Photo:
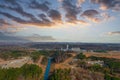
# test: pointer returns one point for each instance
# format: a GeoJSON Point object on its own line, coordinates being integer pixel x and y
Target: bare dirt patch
{"type": "Point", "coordinates": [110, 54]}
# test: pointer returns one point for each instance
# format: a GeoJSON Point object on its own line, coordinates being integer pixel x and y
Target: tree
{"type": "Point", "coordinates": [61, 74]}
{"type": "Point", "coordinates": [31, 72]}
{"type": "Point", "coordinates": [27, 72]}
{"type": "Point", "coordinates": [107, 77]}
{"type": "Point", "coordinates": [81, 56]}
{"type": "Point", "coordinates": [96, 67]}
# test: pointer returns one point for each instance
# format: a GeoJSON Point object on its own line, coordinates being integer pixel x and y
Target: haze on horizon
{"type": "Point", "coordinates": [60, 21]}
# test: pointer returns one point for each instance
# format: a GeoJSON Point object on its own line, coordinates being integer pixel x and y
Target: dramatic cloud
{"type": "Point", "coordinates": [71, 10]}
{"type": "Point", "coordinates": [40, 6]}
{"type": "Point", "coordinates": [114, 33]}
{"type": "Point", "coordinates": [32, 19]}
{"type": "Point", "coordinates": [19, 16]}
{"type": "Point", "coordinates": [45, 19]}
{"type": "Point", "coordinates": [80, 2]}
{"type": "Point", "coordinates": [108, 4]}
{"type": "Point", "coordinates": [91, 15]}
{"type": "Point", "coordinates": [55, 15]}
{"type": "Point", "coordinates": [3, 22]}
{"type": "Point", "coordinates": [27, 22]}
{"type": "Point", "coordinates": [17, 19]}
{"type": "Point", "coordinates": [19, 10]}
{"type": "Point", "coordinates": [6, 27]}
{"type": "Point", "coordinates": [44, 13]}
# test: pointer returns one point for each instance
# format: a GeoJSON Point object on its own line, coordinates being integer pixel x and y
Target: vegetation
{"type": "Point", "coordinates": [81, 64]}
{"type": "Point", "coordinates": [44, 60]}
{"type": "Point", "coordinates": [75, 74]}
{"type": "Point", "coordinates": [61, 74]}
{"type": "Point", "coordinates": [12, 54]}
{"type": "Point", "coordinates": [112, 64]}
{"type": "Point", "coordinates": [109, 71]}
{"type": "Point", "coordinates": [61, 57]}
{"type": "Point", "coordinates": [109, 77]}
{"type": "Point", "coordinates": [96, 68]}
{"type": "Point", "coordinates": [81, 56]}
{"type": "Point", "coordinates": [35, 56]}
{"type": "Point", "coordinates": [111, 67]}
{"type": "Point", "coordinates": [26, 72]}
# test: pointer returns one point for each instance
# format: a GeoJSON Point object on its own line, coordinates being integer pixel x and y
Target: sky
{"type": "Point", "coordinates": [92, 21]}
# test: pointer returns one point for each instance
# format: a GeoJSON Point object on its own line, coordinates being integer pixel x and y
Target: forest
{"type": "Point", "coordinates": [26, 72]}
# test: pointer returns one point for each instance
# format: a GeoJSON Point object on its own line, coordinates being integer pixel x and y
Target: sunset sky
{"type": "Point", "coordinates": [96, 21]}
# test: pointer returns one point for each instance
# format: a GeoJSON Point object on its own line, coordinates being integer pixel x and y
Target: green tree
{"type": "Point", "coordinates": [81, 56]}
{"type": "Point", "coordinates": [107, 77]}
{"type": "Point", "coordinates": [31, 72]}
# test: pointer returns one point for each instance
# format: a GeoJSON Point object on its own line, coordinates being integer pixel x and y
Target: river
{"type": "Point", "coordinates": [46, 75]}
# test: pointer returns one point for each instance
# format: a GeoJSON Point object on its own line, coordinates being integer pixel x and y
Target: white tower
{"type": "Point", "coordinates": [67, 47]}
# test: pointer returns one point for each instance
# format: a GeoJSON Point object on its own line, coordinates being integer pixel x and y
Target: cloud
{"type": "Point", "coordinates": [114, 33]}
{"type": "Point", "coordinates": [95, 16]}
{"type": "Point", "coordinates": [40, 6]}
{"type": "Point", "coordinates": [79, 2]}
{"type": "Point", "coordinates": [44, 18]}
{"type": "Point", "coordinates": [71, 10]}
{"type": "Point", "coordinates": [82, 22]}
{"type": "Point", "coordinates": [11, 1]}
{"type": "Point", "coordinates": [60, 0]}
{"type": "Point", "coordinates": [55, 15]}
{"type": "Point", "coordinates": [108, 4]}
{"type": "Point", "coordinates": [8, 27]}
{"type": "Point", "coordinates": [32, 19]}
{"type": "Point", "coordinates": [37, 37]}
{"type": "Point", "coordinates": [17, 19]}
{"type": "Point", "coordinates": [105, 15]}
{"type": "Point", "coordinates": [3, 22]}
{"type": "Point", "coordinates": [17, 12]}
{"type": "Point", "coordinates": [20, 11]}
{"type": "Point", "coordinates": [35, 21]}
{"type": "Point", "coordinates": [8, 38]}
{"type": "Point", "coordinates": [91, 15]}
